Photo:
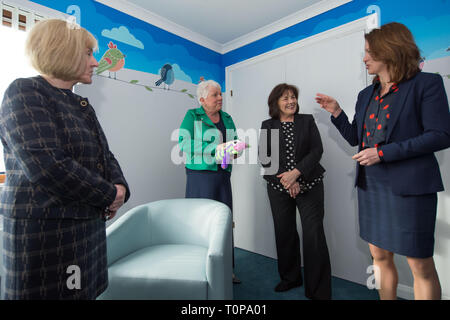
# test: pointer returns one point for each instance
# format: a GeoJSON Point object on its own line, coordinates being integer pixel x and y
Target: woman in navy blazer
{"type": "Point", "coordinates": [400, 121]}
{"type": "Point", "coordinates": [62, 180]}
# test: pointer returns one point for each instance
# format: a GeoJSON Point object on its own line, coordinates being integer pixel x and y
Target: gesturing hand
{"type": "Point", "coordinates": [329, 104]}
{"type": "Point", "coordinates": [367, 157]}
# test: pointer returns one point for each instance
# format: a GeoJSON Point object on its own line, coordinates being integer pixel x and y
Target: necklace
{"type": "Point", "coordinates": [82, 101]}
{"type": "Point", "coordinates": [60, 90]}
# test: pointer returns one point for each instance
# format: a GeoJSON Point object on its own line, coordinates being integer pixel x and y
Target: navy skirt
{"type": "Point", "coordinates": [214, 185]}
{"type": "Point", "coordinates": [400, 224]}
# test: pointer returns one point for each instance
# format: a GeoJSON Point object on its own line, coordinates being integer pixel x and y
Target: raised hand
{"type": "Point", "coordinates": [329, 104]}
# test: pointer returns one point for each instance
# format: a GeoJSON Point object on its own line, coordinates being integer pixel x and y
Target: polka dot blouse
{"type": "Point", "coordinates": [288, 136]}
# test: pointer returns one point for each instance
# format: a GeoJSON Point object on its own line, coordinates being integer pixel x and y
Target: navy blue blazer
{"type": "Point", "coordinates": [419, 126]}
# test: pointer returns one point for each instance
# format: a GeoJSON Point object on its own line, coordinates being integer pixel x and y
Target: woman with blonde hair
{"type": "Point", "coordinates": [62, 181]}
{"type": "Point", "coordinates": [400, 121]}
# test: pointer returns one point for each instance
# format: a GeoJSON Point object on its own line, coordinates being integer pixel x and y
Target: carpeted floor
{"type": "Point", "coordinates": [259, 276]}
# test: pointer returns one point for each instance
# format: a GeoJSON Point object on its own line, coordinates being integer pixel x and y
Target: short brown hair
{"type": "Point", "coordinates": [57, 48]}
{"type": "Point", "coordinates": [394, 45]}
{"type": "Point", "coordinates": [275, 95]}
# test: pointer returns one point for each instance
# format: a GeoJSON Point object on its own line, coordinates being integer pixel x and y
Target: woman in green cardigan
{"type": "Point", "coordinates": [202, 131]}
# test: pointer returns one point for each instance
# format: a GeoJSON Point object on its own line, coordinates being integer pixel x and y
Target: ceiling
{"type": "Point", "coordinates": [225, 20]}
{"type": "Point", "coordinates": [218, 24]}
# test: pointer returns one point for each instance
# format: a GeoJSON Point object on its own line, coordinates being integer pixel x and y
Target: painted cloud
{"type": "Point", "coordinates": [180, 74]}
{"type": "Point", "coordinates": [123, 35]}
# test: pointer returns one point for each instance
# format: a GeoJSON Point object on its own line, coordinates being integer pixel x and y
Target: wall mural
{"type": "Point", "coordinates": [113, 60]}
{"type": "Point", "coordinates": [149, 49]}
{"type": "Point", "coordinates": [428, 21]}
{"type": "Point", "coordinates": [146, 48]}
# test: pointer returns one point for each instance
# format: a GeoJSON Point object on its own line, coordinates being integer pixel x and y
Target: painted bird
{"type": "Point", "coordinates": [113, 60]}
{"type": "Point", "coordinates": [167, 76]}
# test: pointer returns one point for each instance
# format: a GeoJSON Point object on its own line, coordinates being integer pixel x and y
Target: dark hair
{"type": "Point", "coordinates": [275, 95]}
{"type": "Point", "coordinates": [394, 45]}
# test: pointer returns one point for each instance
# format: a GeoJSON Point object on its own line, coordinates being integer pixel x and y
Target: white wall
{"type": "Point", "coordinates": [17, 66]}
{"type": "Point", "coordinates": [139, 125]}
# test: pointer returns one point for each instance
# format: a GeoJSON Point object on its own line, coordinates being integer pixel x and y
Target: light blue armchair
{"type": "Point", "coordinates": [171, 249]}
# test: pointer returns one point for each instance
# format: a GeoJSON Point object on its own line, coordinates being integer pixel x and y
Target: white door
{"type": "Point", "coordinates": [248, 107]}
{"type": "Point", "coordinates": [330, 63]}
{"type": "Point", "coordinates": [334, 66]}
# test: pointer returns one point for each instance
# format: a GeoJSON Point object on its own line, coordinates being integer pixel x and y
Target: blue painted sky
{"type": "Point", "coordinates": [148, 48]}
{"type": "Point", "coordinates": [429, 21]}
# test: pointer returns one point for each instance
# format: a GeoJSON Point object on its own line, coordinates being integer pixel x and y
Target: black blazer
{"type": "Point", "coordinates": [307, 148]}
{"type": "Point", "coordinates": [419, 126]}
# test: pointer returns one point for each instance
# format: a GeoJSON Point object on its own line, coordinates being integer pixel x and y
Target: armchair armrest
{"type": "Point", "coordinates": [219, 258]}
{"type": "Point", "coordinates": [128, 234]}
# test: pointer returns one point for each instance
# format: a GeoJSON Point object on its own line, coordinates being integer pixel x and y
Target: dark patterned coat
{"type": "Point", "coordinates": [60, 179]}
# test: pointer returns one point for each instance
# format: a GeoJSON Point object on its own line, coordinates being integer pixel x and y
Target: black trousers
{"type": "Point", "coordinates": [317, 266]}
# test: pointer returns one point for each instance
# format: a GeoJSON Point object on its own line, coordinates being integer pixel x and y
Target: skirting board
{"type": "Point", "coordinates": [406, 292]}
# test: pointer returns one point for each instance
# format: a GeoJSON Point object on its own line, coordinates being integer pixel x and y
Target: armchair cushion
{"type": "Point", "coordinates": [171, 271]}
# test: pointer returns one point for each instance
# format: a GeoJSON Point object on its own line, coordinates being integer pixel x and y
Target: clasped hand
{"type": "Point", "coordinates": [289, 181]}
{"type": "Point", "coordinates": [118, 201]}
{"type": "Point", "coordinates": [367, 157]}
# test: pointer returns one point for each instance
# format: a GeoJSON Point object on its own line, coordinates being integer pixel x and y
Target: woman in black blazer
{"type": "Point", "coordinates": [290, 150]}
{"type": "Point", "coordinates": [400, 121]}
